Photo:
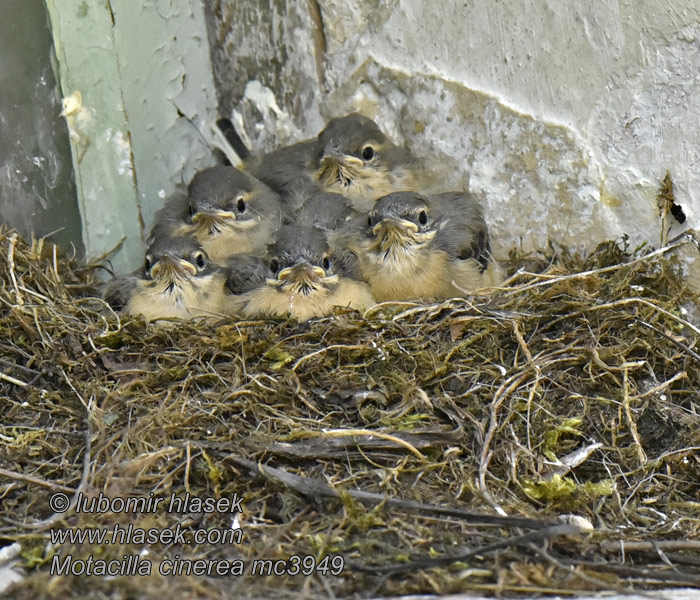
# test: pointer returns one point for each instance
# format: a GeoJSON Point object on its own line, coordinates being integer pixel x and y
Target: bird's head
{"type": "Point", "coordinates": [401, 221]}
{"type": "Point", "coordinates": [223, 197]}
{"type": "Point", "coordinates": [352, 150]}
{"type": "Point", "coordinates": [175, 260]}
{"type": "Point", "coordinates": [300, 262]}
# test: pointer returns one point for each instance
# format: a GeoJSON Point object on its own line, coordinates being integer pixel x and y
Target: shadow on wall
{"type": "Point", "coordinates": [37, 189]}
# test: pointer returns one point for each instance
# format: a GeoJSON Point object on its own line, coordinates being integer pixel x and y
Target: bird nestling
{"type": "Point", "coordinates": [303, 279]}
{"type": "Point", "coordinates": [178, 280]}
{"type": "Point", "coordinates": [351, 156]}
{"type": "Point", "coordinates": [357, 160]}
{"type": "Point", "coordinates": [228, 212]}
{"type": "Point", "coordinates": [412, 246]}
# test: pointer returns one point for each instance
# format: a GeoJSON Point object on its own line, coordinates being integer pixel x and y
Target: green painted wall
{"type": "Point", "coordinates": [142, 126]}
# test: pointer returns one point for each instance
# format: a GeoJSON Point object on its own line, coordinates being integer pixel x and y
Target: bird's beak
{"type": "Point", "coordinates": [334, 157]}
{"type": "Point", "coordinates": [171, 267]}
{"type": "Point", "coordinates": [337, 167]}
{"type": "Point", "coordinates": [390, 227]}
{"type": "Point", "coordinates": [207, 214]}
{"type": "Point", "coordinates": [302, 273]}
{"type": "Point", "coordinates": [340, 160]}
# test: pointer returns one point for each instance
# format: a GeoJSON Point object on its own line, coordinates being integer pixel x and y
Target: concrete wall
{"type": "Point", "coordinates": [37, 194]}
{"type": "Point", "coordinates": [564, 115]}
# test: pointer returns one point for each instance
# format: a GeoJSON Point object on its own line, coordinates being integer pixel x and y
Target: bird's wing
{"type": "Point", "coordinates": [463, 232]}
{"type": "Point", "coordinates": [244, 272]}
{"type": "Point", "coordinates": [118, 291]}
{"type": "Point", "coordinates": [283, 167]}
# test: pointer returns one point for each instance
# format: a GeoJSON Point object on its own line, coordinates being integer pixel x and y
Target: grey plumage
{"type": "Point", "coordinates": [411, 246]}
{"type": "Point", "coordinates": [285, 166]}
{"type": "Point", "coordinates": [325, 211]}
{"type": "Point", "coordinates": [351, 156]}
{"type": "Point", "coordinates": [457, 216]}
{"type": "Point", "coordinates": [245, 272]}
{"type": "Point", "coordinates": [172, 215]}
{"type": "Point", "coordinates": [227, 211]}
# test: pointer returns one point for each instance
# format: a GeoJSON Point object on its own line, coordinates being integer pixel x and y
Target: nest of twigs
{"type": "Point", "coordinates": [435, 448]}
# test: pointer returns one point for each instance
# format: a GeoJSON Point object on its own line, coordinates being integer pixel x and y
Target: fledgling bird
{"type": "Point", "coordinates": [351, 156]}
{"type": "Point", "coordinates": [178, 280]}
{"type": "Point", "coordinates": [228, 212]}
{"type": "Point", "coordinates": [302, 279]}
{"type": "Point", "coordinates": [357, 160]}
{"type": "Point", "coordinates": [412, 246]}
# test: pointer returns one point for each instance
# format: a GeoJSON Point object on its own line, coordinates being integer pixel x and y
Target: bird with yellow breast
{"type": "Point", "coordinates": [300, 277]}
{"type": "Point", "coordinates": [412, 246]}
{"type": "Point", "coordinates": [227, 211]}
{"type": "Point", "coordinates": [178, 280]}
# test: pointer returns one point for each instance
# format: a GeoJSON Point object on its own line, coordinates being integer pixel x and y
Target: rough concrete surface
{"type": "Point", "coordinates": [564, 115]}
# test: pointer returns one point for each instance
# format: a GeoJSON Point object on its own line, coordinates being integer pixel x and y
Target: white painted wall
{"type": "Point", "coordinates": [564, 115]}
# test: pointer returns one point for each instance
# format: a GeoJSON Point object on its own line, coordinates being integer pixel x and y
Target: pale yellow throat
{"type": "Point", "coordinates": [183, 297]}
{"type": "Point", "coordinates": [361, 184]}
{"type": "Point", "coordinates": [304, 292]}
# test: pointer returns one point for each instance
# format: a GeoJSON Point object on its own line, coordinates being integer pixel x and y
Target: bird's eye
{"type": "Point", "coordinates": [199, 259]}
{"type": "Point", "coordinates": [326, 263]}
{"type": "Point", "coordinates": [369, 221]}
{"type": "Point", "coordinates": [191, 210]}
{"type": "Point", "coordinates": [367, 153]}
{"type": "Point", "coordinates": [240, 205]}
{"type": "Point", "coordinates": [148, 263]}
{"type": "Point", "coordinates": [274, 266]}
{"type": "Point", "coordinates": [422, 217]}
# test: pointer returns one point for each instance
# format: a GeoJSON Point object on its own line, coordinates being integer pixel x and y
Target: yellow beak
{"type": "Point", "coordinates": [390, 227]}
{"type": "Point", "coordinates": [301, 273]}
{"type": "Point", "coordinates": [172, 266]}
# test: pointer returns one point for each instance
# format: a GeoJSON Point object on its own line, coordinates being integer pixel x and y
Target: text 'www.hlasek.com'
{"type": "Point", "coordinates": [178, 536]}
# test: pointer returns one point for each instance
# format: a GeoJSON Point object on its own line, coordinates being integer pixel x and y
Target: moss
{"type": "Point", "coordinates": [470, 402]}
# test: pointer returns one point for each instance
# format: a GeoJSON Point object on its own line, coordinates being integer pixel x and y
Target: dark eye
{"type": "Point", "coordinates": [147, 264]}
{"type": "Point", "coordinates": [274, 266]}
{"type": "Point", "coordinates": [369, 221]}
{"type": "Point", "coordinates": [422, 217]}
{"type": "Point", "coordinates": [326, 262]}
{"type": "Point", "coordinates": [367, 153]}
{"type": "Point", "coordinates": [191, 210]}
{"type": "Point", "coordinates": [240, 205]}
{"type": "Point", "coordinates": [199, 259]}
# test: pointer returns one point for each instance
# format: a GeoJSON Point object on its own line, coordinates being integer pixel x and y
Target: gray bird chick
{"type": "Point", "coordinates": [412, 246]}
{"type": "Point", "coordinates": [178, 280]}
{"type": "Point", "coordinates": [228, 212]}
{"type": "Point", "coordinates": [351, 156]}
{"type": "Point", "coordinates": [303, 279]}
{"type": "Point", "coordinates": [357, 160]}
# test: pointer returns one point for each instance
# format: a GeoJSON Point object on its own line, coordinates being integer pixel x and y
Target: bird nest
{"type": "Point", "coordinates": [544, 439]}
